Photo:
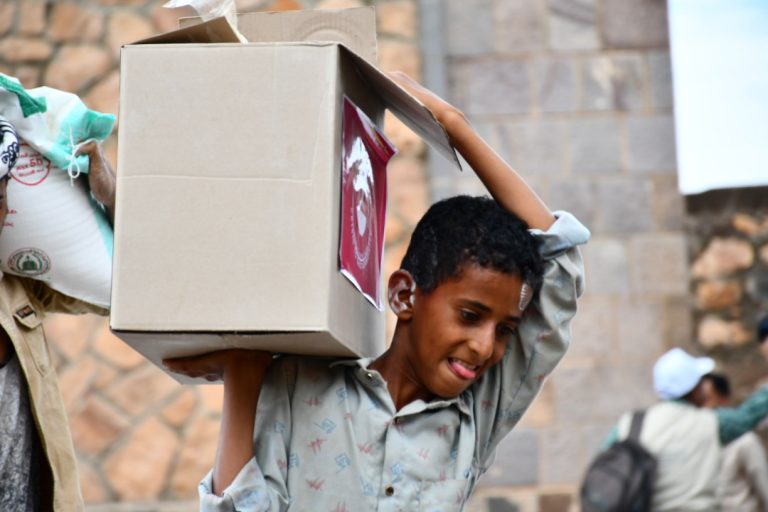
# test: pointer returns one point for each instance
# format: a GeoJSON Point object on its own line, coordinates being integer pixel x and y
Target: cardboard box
{"type": "Point", "coordinates": [228, 185]}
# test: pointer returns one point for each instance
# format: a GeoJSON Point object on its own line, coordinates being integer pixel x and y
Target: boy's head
{"type": "Point", "coordinates": [467, 276]}
{"type": "Point", "coordinates": [465, 230]}
{"type": "Point", "coordinates": [717, 390]}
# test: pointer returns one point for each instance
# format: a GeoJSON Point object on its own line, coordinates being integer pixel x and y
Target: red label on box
{"type": "Point", "coordinates": [365, 153]}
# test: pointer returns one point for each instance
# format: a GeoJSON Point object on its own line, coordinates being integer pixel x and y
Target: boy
{"type": "Point", "coordinates": [415, 428]}
{"type": "Point", "coordinates": [38, 470]}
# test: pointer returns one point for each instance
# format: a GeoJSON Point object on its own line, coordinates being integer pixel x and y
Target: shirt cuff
{"type": "Point", "coordinates": [246, 492]}
{"type": "Point", "coordinates": [566, 232]}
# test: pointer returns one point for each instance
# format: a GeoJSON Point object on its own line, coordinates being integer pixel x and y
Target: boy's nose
{"type": "Point", "coordinates": [482, 344]}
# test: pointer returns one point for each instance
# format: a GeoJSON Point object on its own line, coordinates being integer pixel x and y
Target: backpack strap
{"type": "Point", "coordinates": [637, 425]}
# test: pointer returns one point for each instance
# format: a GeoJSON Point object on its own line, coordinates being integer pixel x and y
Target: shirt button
{"type": "Point", "coordinates": [389, 491]}
{"type": "Point", "coordinates": [369, 375]}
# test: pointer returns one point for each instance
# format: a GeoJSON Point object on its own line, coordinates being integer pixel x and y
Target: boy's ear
{"type": "Point", "coordinates": [401, 293]}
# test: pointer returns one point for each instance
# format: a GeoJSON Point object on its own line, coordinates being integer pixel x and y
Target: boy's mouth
{"type": "Point", "coordinates": [462, 369]}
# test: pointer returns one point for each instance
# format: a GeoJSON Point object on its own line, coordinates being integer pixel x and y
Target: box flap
{"type": "Point", "coordinates": [217, 30]}
{"type": "Point", "coordinates": [407, 108]}
{"type": "Point", "coordinates": [354, 28]}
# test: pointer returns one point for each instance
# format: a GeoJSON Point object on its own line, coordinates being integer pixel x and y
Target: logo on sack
{"type": "Point", "coordinates": [31, 167]}
{"type": "Point", "coordinates": [359, 167]}
{"type": "Point", "coordinates": [29, 262]}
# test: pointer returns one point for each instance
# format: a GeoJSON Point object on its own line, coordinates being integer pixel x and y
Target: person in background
{"type": "Point", "coordinates": [685, 436]}
{"type": "Point", "coordinates": [38, 470]}
{"type": "Point", "coordinates": [743, 485]}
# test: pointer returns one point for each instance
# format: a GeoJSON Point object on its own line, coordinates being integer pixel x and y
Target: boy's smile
{"type": "Point", "coordinates": [453, 335]}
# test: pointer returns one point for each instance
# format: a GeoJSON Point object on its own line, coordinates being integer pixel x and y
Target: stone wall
{"type": "Point", "coordinates": [729, 273]}
{"type": "Point", "coordinates": [141, 437]}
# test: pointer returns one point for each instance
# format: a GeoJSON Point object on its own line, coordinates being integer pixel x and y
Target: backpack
{"type": "Point", "coordinates": [620, 479]}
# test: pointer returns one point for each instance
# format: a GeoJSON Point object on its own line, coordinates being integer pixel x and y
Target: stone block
{"type": "Point", "coordinates": [594, 145]}
{"type": "Point", "coordinates": [212, 397]}
{"type": "Point", "coordinates": [141, 389]}
{"type": "Point", "coordinates": [125, 27]}
{"type": "Point", "coordinates": [613, 83]}
{"type": "Point", "coordinates": [75, 381]}
{"type": "Point", "coordinates": [77, 67]}
{"type": "Point", "coordinates": [409, 191]}
{"type": "Point", "coordinates": [31, 17]}
{"type": "Point", "coordinates": [659, 264]}
{"type": "Point", "coordinates": [578, 197]}
{"type": "Point", "coordinates": [492, 86]}
{"type": "Point", "coordinates": [7, 15]}
{"type": "Point", "coordinates": [713, 295]}
{"type": "Point", "coordinates": [180, 409]}
{"type": "Point", "coordinates": [24, 49]}
{"type": "Point", "coordinates": [540, 146]}
{"type": "Point", "coordinates": [668, 203]}
{"type": "Point", "coordinates": [68, 334]}
{"type": "Point", "coordinates": [397, 18]}
{"type": "Point", "coordinates": [717, 332]}
{"type": "Point", "coordinates": [677, 321]}
{"type": "Point", "coordinates": [468, 26]}
{"type": "Point", "coordinates": [115, 351]}
{"type": "Point", "coordinates": [555, 502]}
{"type": "Point", "coordinates": [29, 76]}
{"type": "Point", "coordinates": [556, 85]}
{"type": "Point", "coordinates": [763, 252]}
{"type": "Point", "coordinates": [594, 329]}
{"type": "Point", "coordinates": [723, 257]}
{"type": "Point", "coordinates": [198, 450]}
{"type": "Point", "coordinates": [105, 95]}
{"type": "Point", "coordinates": [517, 460]}
{"type": "Point", "coordinates": [751, 225]}
{"type": "Point", "coordinates": [639, 336]}
{"type": "Point", "coordinates": [625, 206]}
{"type": "Point", "coordinates": [326, 4]}
{"type": "Point", "coordinates": [138, 469]}
{"type": "Point", "coordinates": [519, 27]}
{"type": "Point", "coordinates": [651, 144]}
{"type": "Point", "coordinates": [633, 23]}
{"type": "Point", "coordinates": [96, 426]}
{"type": "Point", "coordinates": [91, 484]}
{"type": "Point", "coordinates": [572, 25]}
{"type": "Point", "coordinates": [660, 79]}
{"type": "Point", "coordinates": [400, 56]}
{"type": "Point", "coordinates": [166, 20]}
{"type": "Point", "coordinates": [71, 21]}
{"type": "Point", "coordinates": [541, 411]}
{"type": "Point", "coordinates": [606, 265]}
{"type": "Point", "coordinates": [562, 456]}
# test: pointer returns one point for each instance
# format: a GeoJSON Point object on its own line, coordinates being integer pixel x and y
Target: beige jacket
{"type": "Point", "coordinates": [23, 305]}
{"type": "Point", "coordinates": [686, 444]}
{"type": "Point", "coordinates": [744, 476]}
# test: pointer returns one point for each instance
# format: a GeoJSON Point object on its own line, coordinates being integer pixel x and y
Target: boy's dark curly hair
{"type": "Point", "coordinates": [464, 230]}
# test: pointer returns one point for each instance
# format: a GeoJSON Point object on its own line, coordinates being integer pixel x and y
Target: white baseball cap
{"type": "Point", "coordinates": [677, 372]}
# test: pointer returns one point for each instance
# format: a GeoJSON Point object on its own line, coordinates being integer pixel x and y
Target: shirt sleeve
{"type": "Point", "coordinates": [506, 390]}
{"type": "Point", "coordinates": [736, 421]}
{"type": "Point", "coordinates": [261, 485]}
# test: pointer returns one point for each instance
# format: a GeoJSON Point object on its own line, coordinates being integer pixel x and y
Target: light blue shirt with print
{"type": "Point", "coordinates": [328, 436]}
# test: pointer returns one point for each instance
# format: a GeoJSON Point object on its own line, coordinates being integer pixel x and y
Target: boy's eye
{"type": "Point", "coordinates": [505, 331]}
{"type": "Point", "coordinates": [468, 315]}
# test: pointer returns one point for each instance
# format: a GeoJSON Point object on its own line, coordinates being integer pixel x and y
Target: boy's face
{"type": "Point", "coordinates": [461, 329]}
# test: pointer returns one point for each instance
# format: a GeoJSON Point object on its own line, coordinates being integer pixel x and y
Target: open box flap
{"type": "Point", "coordinates": [217, 30]}
{"type": "Point", "coordinates": [406, 108]}
{"type": "Point", "coordinates": [354, 28]}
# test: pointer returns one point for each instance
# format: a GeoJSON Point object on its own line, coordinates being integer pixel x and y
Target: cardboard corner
{"type": "Point", "coordinates": [217, 30]}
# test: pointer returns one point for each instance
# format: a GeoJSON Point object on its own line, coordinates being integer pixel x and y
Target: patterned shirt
{"type": "Point", "coordinates": [329, 438]}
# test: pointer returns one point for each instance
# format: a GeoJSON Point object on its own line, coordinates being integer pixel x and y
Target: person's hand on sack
{"type": "Point", "coordinates": [213, 365]}
{"type": "Point", "coordinates": [101, 177]}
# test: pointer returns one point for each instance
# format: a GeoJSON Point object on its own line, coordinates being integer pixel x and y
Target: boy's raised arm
{"type": "Point", "coordinates": [502, 181]}
{"type": "Point", "coordinates": [242, 372]}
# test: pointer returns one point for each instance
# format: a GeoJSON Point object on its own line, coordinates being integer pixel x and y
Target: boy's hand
{"type": "Point", "coordinates": [101, 177]}
{"type": "Point", "coordinates": [213, 365]}
{"type": "Point", "coordinates": [439, 107]}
